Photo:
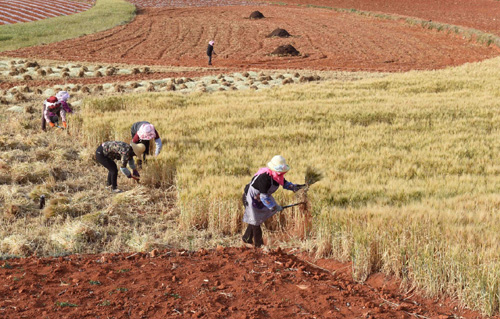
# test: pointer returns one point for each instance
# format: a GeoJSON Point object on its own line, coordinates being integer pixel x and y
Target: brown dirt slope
{"type": "Point", "coordinates": [482, 15]}
{"type": "Point", "coordinates": [223, 283]}
{"type": "Point", "coordinates": [327, 40]}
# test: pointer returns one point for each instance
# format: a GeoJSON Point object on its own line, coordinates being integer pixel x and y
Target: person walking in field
{"type": "Point", "coordinates": [142, 133]}
{"type": "Point", "coordinates": [108, 152]}
{"type": "Point", "coordinates": [258, 200]}
{"type": "Point", "coordinates": [210, 51]}
{"type": "Point", "coordinates": [55, 108]}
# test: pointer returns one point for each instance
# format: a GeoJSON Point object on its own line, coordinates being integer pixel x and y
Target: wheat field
{"type": "Point", "coordinates": [410, 164]}
{"type": "Point", "coordinates": [410, 168]}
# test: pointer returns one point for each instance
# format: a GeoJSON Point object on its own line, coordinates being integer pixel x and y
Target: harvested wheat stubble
{"type": "Point", "coordinates": [85, 89]}
{"type": "Point", "coordinates": [280, 33]}
{"type": "Point", "coordinates": [256, 15]}
{"type": "Point", "coordinates": [151, 87]}
{"type": "Point", "coordinates": [309, 78]}
{"type": "Point", "coordinates": [285, 50]}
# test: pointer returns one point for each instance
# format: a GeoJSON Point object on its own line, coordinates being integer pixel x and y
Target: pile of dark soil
{"type": "Point", "coordinates": [286, 50]}
{"type": "Point", "coordinates": [281, 33]}
{"type": "Point", "coordinates": [256, 15]}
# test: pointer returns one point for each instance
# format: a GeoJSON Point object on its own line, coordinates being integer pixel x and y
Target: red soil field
{"type": "Point", "coordinates": [327, 40]}
{"type": "Point", "coordinates": [482, 15]}
{"type": "Point", "coordinates": [223, 283]}
{"type": "Point", "coordinates": [32, 10]}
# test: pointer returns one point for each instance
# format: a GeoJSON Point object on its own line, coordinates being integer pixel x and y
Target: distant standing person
{"type": "Point", "coordinates": [210, 51]}
{"type": "Point", "coordinates": [142, 133]}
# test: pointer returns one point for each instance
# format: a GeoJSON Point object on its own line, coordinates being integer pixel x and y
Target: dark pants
{"type": "Point", "coordinates": [210, 59]}
{"type": "Point", "coordinates": [110, 165]}
{"type": "Point", "coordinates": [253, 235]}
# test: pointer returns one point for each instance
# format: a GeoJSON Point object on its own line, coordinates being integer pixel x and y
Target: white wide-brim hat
{"type": "Point", "coordinates": [278, 164]}
{"type": "Point", "coordinates": [138, 148]}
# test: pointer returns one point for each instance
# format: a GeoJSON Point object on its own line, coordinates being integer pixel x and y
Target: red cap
{"type": "Point", "coordinates": [52, 99]}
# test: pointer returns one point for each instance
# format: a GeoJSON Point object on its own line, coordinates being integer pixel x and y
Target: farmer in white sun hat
{"type": "Point", "coordinates": [258, 200]}
{"type": "Point", "coordinates": [142, 133]}
{"type": "Point", "coordinates": [108, 152]}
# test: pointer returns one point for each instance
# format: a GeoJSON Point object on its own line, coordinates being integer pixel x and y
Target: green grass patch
{"type": "Point", "coordinates": [123, 270]}
{"type": "Point", "coordinates": [6, 265]}
{"type": "Point", "coordinates": [105, 303]}
{"type": "Point", "coordinates": [65, 304]}
{"type": "Point", "coordinates": [104, 15]}
{"type": "Point", "coordinates": [174, 295]}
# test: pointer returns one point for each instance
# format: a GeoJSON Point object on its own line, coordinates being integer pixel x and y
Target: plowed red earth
{"type": "Point", "coordinates": [32, 10]}
{"type": "Point", "coordinates": [223, 283]}
{"type": "Point", "coordinates": [326, 39]}
{"type": "Point", "coordinates": [482, 15]}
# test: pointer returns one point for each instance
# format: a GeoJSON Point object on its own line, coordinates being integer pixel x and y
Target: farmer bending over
{"type": "Point", "coordinates": [142, 133]}
{"type": "Point", "coordinates": [258, 200]}
{"type": "Point", "coordinates": [108, 152]}
{"type": "Point", "coordinates": [55, 107]}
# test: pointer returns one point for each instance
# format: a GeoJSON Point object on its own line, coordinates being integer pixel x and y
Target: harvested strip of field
{"type": "Point", "coordinates": [326, 40]}
{"type": "Point", "coordinates": [14, 11]}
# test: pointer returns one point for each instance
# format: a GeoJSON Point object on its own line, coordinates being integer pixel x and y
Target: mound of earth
{"type": "Point", "coordinates": [221, 283]}
{"type": "Point", "coordinates": [256, 15]}
{"type": "Point", "coordinates": [285, 50]}
{"type": "Point", "coordinates": [281, 33]}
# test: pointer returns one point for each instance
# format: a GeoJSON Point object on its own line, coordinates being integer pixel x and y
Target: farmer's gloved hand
{"type": "Point", "coordinates": [298, 187]}
{"type": "Point", "coordinates": [65, 125]}
{"type": "Point", "coordinates": [277, 208]}
{"type": "Point", "coordinates": [134, 177]}
{"type": "Point", "coordinates": [136, 173]}
{"type": "Point", "coordinates": [51, 124]}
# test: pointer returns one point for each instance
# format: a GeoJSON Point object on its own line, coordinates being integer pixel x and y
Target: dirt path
{"type": "Point", "coordinates": [223, 283]}
{"type": "Point", "coordinates": [327, 40]}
